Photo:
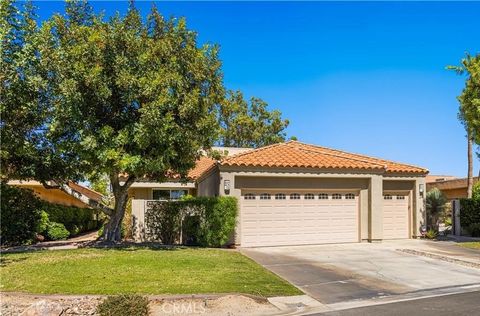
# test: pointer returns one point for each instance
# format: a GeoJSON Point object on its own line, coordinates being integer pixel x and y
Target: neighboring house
{"type": "Point", "coordinates": [295, 194]}
{"type": "Point", "coordinates": [58, 196]}
{"type": "Point", "coordinates": [437, 178]}
{"type": "Point", "coordinates": [453, 189]}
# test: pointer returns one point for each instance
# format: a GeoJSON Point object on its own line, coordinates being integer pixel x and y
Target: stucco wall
{"type": "Point", "coordinates": [209, 186]}
{"type": "Point", "coordinates": [55, 196]}
{"type": "Point", "coordinates": [370, 188]}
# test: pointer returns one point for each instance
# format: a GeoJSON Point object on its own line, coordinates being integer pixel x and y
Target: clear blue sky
{"type": "Point", "coordinates": [363, 77]}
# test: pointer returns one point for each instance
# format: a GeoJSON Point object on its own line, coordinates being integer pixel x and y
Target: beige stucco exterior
{"type": "Point", "coordinates": [55, 196]}
{"type": "Point", "coordinates": [370, 187]}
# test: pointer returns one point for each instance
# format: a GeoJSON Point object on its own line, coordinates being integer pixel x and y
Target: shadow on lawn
{"type": "Point", "coordinates": [132, 246]}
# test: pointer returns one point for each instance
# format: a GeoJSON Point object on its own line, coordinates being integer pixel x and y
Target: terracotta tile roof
{"type": "Point", "coordinates": [201, 166]}
{"type": "Point", "coordinates": [299, 155]}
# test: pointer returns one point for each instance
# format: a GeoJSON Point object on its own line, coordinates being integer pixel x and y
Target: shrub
{"type": "Point", "coordinates": [217, 222]}
{"type": "Point", "coordinates": [469, 212]}
{"type": "Point", "coordinates": [164, 220]}
{"type": "Point", "coordinates": [76, 220]}
{"type": "Point", "coordinates": [204, 221]}
{"type": "Point", "coordinates": [474, 229]}
{"type": "Point", "coordinates": [43, 223]}
{"type": "Point", "coordinates": [435, 203]}
{"type": "Point", "coordinates": [124, 305]}
{"type": "Point", "coordinates": [20, 215]}
{"type": "Point", "coordinates": [431, 234]}
{"type": "Point", "coordinates": [57, 231]}
{"type": "Point", "coordinates": [476, 191]}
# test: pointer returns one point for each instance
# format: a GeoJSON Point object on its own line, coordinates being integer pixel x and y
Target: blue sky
{"type": "Point", "coordinates": [363, 77]}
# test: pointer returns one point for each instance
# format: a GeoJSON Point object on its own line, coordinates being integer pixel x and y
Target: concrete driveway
{"type": "Point", "coordinates": [345, 272]}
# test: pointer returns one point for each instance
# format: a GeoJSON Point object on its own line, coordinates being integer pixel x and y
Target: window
{"type": "Point", "coordinates": [249, 196]}
{"type": "Point", "coordinates": [336, 196]}
{"type": "Point", "coordinates": [400, 197]}
{"type": "Point", "coordinates": [264, 196]}
{"type": "Point", "coordinates": [294, 196]}
{"type": "Point", "coordinates": [387, 197]}
{"type": "Point", "coordinates": [309, 196]}
{"type": "Point", "coordinates": [161, 194]}
{"type": "Point", "coordinates": [280, 196]}
{"type": "Point", "coordinates": [350, 196]}
{"type": "Point", "coordinates": [323, 196]}
{"type": "Point", "coordinates": [177, 194]}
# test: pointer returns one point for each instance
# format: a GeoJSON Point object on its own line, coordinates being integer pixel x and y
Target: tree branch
{"type": "Point", "coordinates": [64, 187]}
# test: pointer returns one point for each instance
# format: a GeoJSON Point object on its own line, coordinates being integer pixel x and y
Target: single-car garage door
{"type": "Point", "coordinates": [274, 218]}
{"type": "Point", "coordinates": [395, 216]}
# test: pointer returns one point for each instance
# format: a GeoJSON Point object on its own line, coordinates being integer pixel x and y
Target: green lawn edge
{"type": "Point", "coordinates": [141, 271]}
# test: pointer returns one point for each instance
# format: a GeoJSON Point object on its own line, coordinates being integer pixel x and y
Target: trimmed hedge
{"type": "Point", "coordinates": [470, 215]}
{"type": "Point", "coordinates": [57, 231]}
{"type": "Point", "coordinates": [20, 215]}
{"type": "Point", "coordinates": [202, 221]}
{"type": "Point", "coordinates": [76, 220]}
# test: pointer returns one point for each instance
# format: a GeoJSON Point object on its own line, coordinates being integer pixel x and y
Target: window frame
{"type": "Point", "coordinates": [265, 196]}
{"type": "Point", "coordinates": [280, 196]}
{"type": "Point", "coordinates": [309, 196]}
{"type": "Point", "coordinates": [349, 196]}
{"type": "Point", "coordinates": [249, 196]}
{"type": "Point", "coordinates": [323, 196]}
{"type": "Point", "coordinates": [296, 196]}
{"type": "Point", "coordinates": [337, 196]}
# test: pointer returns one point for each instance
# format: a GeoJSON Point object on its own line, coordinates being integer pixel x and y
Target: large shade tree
{"type": "Point", "coordinates": [249, 123]}
{"type": "Point", "coordinates": [469, 111]}
{"type": "Point", "coordinates": [83, 95]}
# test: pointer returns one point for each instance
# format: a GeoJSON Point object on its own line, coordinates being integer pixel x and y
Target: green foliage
{"type": "Point", "coordinates": [448, 221]}
{"type": "Point", "coordinates": [124, 305]}
{"type": "Point", "coordinates": [75, 219]}
{"type": "Point", "coordinates": [436, 202]}
{"type": "Point", "coordinates": [469, 111]}
{"type": "Point", "coordinates": [216, 220]}
{"type": "Point", "coordinates": [249, 124]}
{"type": "Point", "coordinates": [476, 191]}
{"type": "Point", "coordinates": [20, 215]}
{"type": "Point", "coordinates": [164, 220]}
{"type": "Point", "coordinates": [205, 221]}
{"type": "Point", "coordinates": [474, 229]}
{"type": "Point", "coordinates": [43, 223]}
{"type": "Point", "coordinates": [470, 213]}
{"type": "Point", "coordinates": [57, 231]}
{"type": "Point", "coordinates": [431, 234]}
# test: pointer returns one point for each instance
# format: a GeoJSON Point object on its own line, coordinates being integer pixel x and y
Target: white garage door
{"type": "Point", "coordinates": [395, 216]}
{"type": "Point", "coordinates": [274, 218]}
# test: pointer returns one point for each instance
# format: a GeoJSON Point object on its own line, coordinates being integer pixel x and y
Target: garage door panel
{"type": "Point", "coordinates": [298, 221]}
{"type": "Point", "coordinates": [395, 216]}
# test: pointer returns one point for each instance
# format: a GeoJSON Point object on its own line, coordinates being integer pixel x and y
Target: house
{"type": "Point", "coordinates": [58, 196]}
{"type": "Point", "coordinates": [296, 194]}
{"type": "Point", "coordinates": [173, 189]}
{"type": "Point", "coordinates": [453, 189]}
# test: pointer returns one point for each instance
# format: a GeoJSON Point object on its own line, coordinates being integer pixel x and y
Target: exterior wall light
{"type": "Point", "coordinates": [226, 186]}
{"type": "Point", "coordinates": [421, 189]}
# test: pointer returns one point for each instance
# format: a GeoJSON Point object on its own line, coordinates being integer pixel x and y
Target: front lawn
{"type": "Point", "coordinates": [137, 270]}
{"type": "Point", "coordinates": [471, 245]}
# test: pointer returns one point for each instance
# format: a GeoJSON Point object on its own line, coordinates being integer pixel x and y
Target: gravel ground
{"type": "Point", "coordinates": [56, 305]}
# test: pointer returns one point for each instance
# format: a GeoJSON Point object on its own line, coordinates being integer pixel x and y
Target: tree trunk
{"type": "Point", "coordinates": [470, 166]}
{"type": "Point", "coordinates": [113, 229]}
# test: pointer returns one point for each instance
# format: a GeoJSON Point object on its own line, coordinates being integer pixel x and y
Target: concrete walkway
{"type": "Point", "coordinates": [345, 272]}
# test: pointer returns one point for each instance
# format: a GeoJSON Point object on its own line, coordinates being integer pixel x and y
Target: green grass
{"type": "Point", "coordinates": [136, 270]}
{"type": "Point", "coordinates": [471, 245]}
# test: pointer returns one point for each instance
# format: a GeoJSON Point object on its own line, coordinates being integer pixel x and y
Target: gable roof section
{"type": "Point", "coordinates": [294, 154]}
{"type": "Point", "coordinates": [202, 165]}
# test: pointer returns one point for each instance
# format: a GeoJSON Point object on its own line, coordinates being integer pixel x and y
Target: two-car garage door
{"type": "Point", "coordinates": [274, 218]}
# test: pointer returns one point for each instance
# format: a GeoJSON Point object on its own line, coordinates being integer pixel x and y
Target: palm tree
{"type": "Point", "coordinates": [436, 203]}
{"type": "Point", "coordinates": [468, 113]}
